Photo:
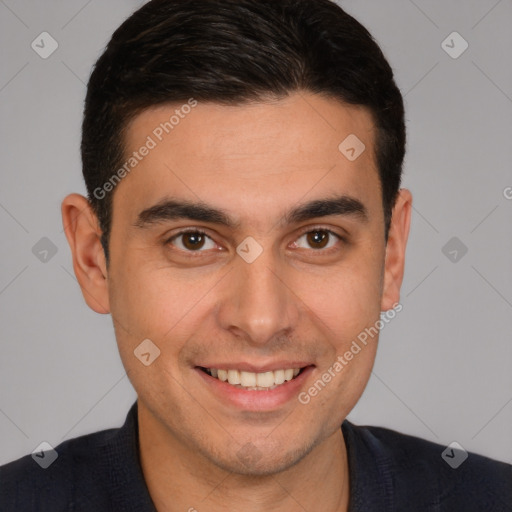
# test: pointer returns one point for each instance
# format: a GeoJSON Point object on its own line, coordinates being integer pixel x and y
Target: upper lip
{"type": "Point", "coordinates": [255, 368]}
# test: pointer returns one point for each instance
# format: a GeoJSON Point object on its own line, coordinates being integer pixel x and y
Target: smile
{"type": "Point", "coordinates": [252, 387]}
{"type": "Point", "coordinates": [252, 381]}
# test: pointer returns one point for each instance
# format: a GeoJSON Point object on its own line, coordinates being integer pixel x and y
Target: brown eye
{"type": "Point", "coordinates": [192, 241]}
{"type": "Point", "coordinates": [318, 239]}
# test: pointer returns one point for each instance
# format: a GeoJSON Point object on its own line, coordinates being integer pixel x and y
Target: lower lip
{"type": "Point", "coordinates": [253, 400]}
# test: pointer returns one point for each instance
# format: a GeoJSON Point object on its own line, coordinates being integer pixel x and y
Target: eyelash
{"type": "Point", "coordinates": [306, 232]}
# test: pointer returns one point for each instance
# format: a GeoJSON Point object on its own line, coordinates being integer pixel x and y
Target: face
{"type": "Point", "coordinates": [282, 268]}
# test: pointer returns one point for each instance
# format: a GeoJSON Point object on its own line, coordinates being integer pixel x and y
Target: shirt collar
{"type": "Point", "coordinates": [129, 489]}
{"type": "Point", "coordinates": [370, 471]}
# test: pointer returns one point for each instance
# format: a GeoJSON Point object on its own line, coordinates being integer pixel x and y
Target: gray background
{"type": "Point", "coordinates": [443, 366]}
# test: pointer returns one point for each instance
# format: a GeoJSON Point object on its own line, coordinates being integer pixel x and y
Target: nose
{"type": "Point", "coordinates": [258, 304]}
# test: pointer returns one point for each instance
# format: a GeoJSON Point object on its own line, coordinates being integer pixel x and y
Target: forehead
{"type": "Point", "coordinates": [250, 156]}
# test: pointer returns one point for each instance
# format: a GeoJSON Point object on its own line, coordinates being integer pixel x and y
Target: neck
{"type": "Point", "coordinates": [181, 479]}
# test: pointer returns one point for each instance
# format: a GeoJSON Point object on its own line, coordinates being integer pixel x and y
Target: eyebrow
{"type": "Point", "coordinates": [174, 209]}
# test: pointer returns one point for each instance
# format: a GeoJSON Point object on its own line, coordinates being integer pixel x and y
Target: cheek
{"type": "Point", "coordinates": [347, 299]}
{"type": "Point", "coordinates": [165, 305]}
{"type": "Point", "coordinates": [151, 300]}
{"type": "Point", "coordinates": [345, 305]}
{"type": "Point", "coordinates": [153, 303]}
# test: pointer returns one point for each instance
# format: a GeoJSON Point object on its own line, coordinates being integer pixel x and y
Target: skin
{"type": "Point", "coordinates": [296, 301]}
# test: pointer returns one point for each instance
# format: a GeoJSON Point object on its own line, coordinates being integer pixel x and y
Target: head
{"type": "Point", "coordinates": [276, 130]}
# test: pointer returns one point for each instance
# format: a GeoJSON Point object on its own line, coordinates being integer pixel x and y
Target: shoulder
{"type": "Point", "coordinates": [99, 471]}
{"type": "Point", "coordinates": [59, 479]}
{"type": "Point", "coordinates": [444, 478]}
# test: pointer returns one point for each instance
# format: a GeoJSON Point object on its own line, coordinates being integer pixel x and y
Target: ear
{"type": "Point", "coordinates": [395, 250]}
{"type": "Point", "coordinates": [84, 237]}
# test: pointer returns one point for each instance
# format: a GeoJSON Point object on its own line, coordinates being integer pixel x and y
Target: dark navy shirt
{"type": "Point", "coordinates": [389, 471]}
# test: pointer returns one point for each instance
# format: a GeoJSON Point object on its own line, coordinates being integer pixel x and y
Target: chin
{"type": "Point", "coordinates": [266, 460]}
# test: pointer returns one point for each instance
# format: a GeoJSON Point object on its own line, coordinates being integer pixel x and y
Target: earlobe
{"type": "Point", "coordinates": [395, 250]}
{"type": "Point", "coordinates": [84, 237]}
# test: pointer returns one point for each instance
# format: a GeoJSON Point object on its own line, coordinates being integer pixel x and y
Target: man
{"type": "Point", "coordinates": [244, 227]}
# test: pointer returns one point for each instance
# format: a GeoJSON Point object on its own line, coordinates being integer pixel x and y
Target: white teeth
{"type": "Point", "coordinates": [265, 380]}
{"type": "Point", "coordinates": [247, 379]}
{"type": "Point", "coordinates": [279, 376]}
{"type": "Point", "coordinates": [234, 377]}
{"type": "Point", "coordinates": [288, 374]}
{"type": "Point", "coordinates": [257, 381]}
